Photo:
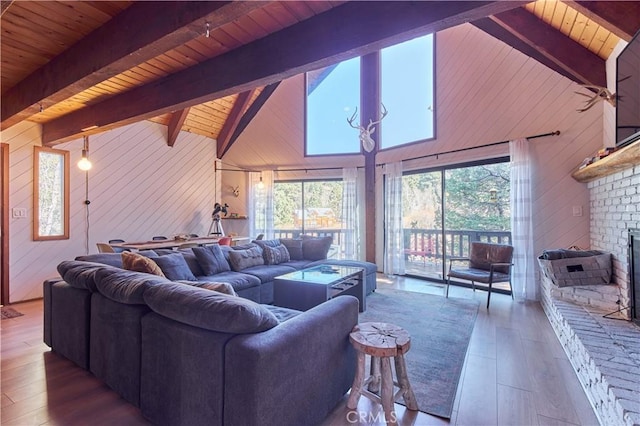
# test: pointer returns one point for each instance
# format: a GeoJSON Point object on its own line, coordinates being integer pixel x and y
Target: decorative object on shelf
{"type": "Point", "coordinates": [601, 94]}
{"type": "Point", "coordinates": [365, 134]}
{"type": "Point", "coordinates": [216, 226]}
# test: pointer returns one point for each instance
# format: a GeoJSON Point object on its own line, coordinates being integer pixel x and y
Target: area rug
{"type": "Point", "coordinates": [8, 312]}
{"type": "Point", "coordinates": [440, 330]}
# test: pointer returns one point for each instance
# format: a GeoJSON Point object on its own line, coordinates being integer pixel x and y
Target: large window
{"type": "Point", "coordinates": [50, 194]}
{"type": "Point", "coordinates": [333, 94]}
{"type": "Point", "coordinates": [407, 92]}
{"type": "Point", "coordinates": [447, 208]}
{"type": "Point", "coordinates": [308, 207]}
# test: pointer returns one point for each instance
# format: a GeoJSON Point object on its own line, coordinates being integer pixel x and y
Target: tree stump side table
{"type": "Point", "coordinates": [382, 341]}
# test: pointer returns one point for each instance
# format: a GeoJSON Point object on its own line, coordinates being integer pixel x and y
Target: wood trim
{"type": "Point", "coordinates": [175, 125]}
{"type": "Point", "coordinates": [4, 224]}
{"type": "Point", "coordinates": [619, 17]}
{"type": "Point", "coordinates": [373, 25]}
{"type": "Point", "coordinates": [583, 65]}
{"type": "Point", "coordinates": [370, 98]}
{"type": "Point", "coordinates": [233, 119]}
{"type": "Point", "coordinates": [88, 62]}
{"type": "Point", "coordinates": [251, 112]}
{"type": "Point", "coordinates": [36, 194]}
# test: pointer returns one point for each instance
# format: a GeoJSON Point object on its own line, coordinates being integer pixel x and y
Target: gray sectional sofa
{"type": "Point", "coordinates": [186, 354]}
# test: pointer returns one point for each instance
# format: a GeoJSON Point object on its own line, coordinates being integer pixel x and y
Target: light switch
{"type": "Point", "coordinates": [577, 211]}
{"type": "Point", "coordinates": [19, 213]}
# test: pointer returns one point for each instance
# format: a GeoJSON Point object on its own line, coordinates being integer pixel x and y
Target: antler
{"type": "Point", "coordinates": [352, 119]}
{"type": "Point", "coordinates": [602, 94]}
{"type": "Point", "coordinates": [383, 114]}
{"type": "Point", "coordinates": [365, 134]}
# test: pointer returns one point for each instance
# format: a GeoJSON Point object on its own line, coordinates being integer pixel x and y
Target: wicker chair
{"type": "Point", "coordinates": [105, 248]}
{"type": "Point", "coordinates": [487, 263]}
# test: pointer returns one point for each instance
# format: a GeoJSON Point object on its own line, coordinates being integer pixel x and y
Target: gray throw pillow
{"type": "Point", "coordinates": [209, 309]}
{"type": "Point", "coordinates": [294, 247]}
{"type": "Point", "coordinates": [211, 259]}
{"type": "Point", "coordinates": [316, 248]}
{"type": "Point", "coordinates": [174, 267]}
{"type": "Point", "coordinates": [276, 255]}
{"type": "Point", "coordinates": [243, 259]}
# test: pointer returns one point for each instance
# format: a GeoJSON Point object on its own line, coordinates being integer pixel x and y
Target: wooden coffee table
{"type": "Point", "coordinates": [304, 289]}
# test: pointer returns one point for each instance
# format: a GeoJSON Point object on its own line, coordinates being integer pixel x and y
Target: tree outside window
{"type": "Point", "coordinates": [50, 194]}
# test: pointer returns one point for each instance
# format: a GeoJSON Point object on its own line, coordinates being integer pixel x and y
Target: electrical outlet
{"type": "Point", "coordinates": [19, 213]}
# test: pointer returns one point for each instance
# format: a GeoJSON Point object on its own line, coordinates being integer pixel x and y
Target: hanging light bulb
{"type": "Point", "coordinates": [260, 184]}
{"type": "Point", "coordinates": [84, 164]}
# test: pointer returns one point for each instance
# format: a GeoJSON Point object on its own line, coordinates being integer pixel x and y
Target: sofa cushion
{"type": "Point", "coordinates": [281, 313]}
{"type": "Point", "coordinates": [80, 274]}
{"type": "Point", "coordinates": [267, 273]}
{"type": "Point", "coordinates": [192, 261]}
{"type": "Point", "coordinates": [175, 267]}
{"type": "Point", "coordinates": [209, 309]}
{"type": "Point", "coordinates": [315, 248]}
{"type": "Point", "coordinates": [126, 286]}
{"type": "Point", "coordinates": [294, 247]}
{"type": "Point", "coordinates": [111, 259]}
{"type": "Point", "coordinates": [243, 259]}
{"type": "Point", "coordinates": [136, 262]}
{"type": "Point", "coordinates": [211, 259]}
{"type": "Point", "coordinates": [275, 255]}
{"type": "Point", "coordinates": [224, 288]}
{"type": "Point", "coordinates": [240, 281]}
{"type": "Point", "coordinates": [267, 243]}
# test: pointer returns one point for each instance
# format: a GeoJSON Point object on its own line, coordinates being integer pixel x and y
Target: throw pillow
{"type": "Point", "coordinates": [211, 259]}
{"type": "Point", "coordinates": [294, 247]}
{"type": "Point", "coordinates": [276, 255]}
{"type": "Point", "coordinates": [175, 267]}
{"type": "Point", "coordinates": [243, 259]}
{"type": "Point", "coordinates": [136, 262]}
{"type": "Point", "coordinates": [316, 248]}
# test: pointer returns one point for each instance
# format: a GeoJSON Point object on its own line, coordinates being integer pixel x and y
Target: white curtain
{"type": "Point", "coordinates": [350, 245]}
{"type": "Point", "coordinates": [261, 204]}
{"type": "Point", "coordinates": [523, 272]}
{"type": "Point", "coordinates": [394, 236]}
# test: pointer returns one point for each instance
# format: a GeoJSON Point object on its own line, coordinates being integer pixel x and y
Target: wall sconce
{"type": "Point", "coordinates": [493, 195]}
{"type": "Point", "coordinates": [84, 164]}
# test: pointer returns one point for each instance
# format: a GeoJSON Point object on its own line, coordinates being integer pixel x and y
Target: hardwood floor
{"type": "Point", "coordinates": [515, 373]}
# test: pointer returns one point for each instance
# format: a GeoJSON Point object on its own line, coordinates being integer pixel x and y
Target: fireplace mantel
{"type": "Point", "coordinates": [619, 160]}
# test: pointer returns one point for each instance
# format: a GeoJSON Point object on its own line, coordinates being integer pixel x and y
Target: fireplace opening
{"type": "Point", "coordinates": [634, 274]}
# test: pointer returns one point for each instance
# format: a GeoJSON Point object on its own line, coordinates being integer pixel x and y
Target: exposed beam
{"type": "Point", "coordinates": [4, 5]}
{"type": "Point", "coordinates": [585, 66]}
{"type": "Point", "coordinates": [230, 125]}
{"type": "Point", "coordinates": [117, 46]}
{"type": "Point", "coordinates": [291, 51]}
{"type": "Point", "coordinates": [266, 93]}
{"type": "Point", "coordinates": [620, 17]}
{"type": "Point", "coordinates": [501, 33]}
{"type": "Point", "coordinates": [175, 125]}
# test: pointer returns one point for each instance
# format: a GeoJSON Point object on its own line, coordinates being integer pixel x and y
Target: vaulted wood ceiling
{"type": "Point", "coordinates": [83, 67]}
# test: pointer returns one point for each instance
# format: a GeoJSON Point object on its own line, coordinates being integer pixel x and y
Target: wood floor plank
{"type": "Point", "coordinates": [512, 370]}
{"type": "Point", "coordinates": [551, 395]}
{"type": "Point", "coordinates": [479, 393]}
{"type": "Point", "coordinates": [516, 407]}
{"type": "Point", "coordinates": [579, 399]}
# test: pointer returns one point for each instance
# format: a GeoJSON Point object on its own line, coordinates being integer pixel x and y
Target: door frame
{"type": "Point", "coordinates": [4, 225]}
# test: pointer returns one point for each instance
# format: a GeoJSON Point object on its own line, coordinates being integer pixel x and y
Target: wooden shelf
{"type": "Point", "coordinates": [237, 217]}
{"type": "Point", "coordinates": [622, 159]}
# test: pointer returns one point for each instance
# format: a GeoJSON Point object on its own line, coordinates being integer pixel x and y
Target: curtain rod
{"type": "Point", "coordinates": [542, 135]}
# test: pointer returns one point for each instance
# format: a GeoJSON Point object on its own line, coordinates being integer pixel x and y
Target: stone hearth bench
{"type": "Point", "coordinates": [605, 354]}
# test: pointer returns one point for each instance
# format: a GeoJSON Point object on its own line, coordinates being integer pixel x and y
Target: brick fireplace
{"type": "Point", "coordinates": [604, 352]}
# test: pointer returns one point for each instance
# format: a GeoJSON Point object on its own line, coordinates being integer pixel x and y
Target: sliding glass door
{"type": "Point", "coordinates": [447, 208]}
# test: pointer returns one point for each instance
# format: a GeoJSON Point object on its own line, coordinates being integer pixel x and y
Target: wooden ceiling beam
{"type": "Point", "coordinates": [620, 17]}
{"type": "Point", "coordinates": [585, 67]}
{"type": "Point", "coordinates": [115, 47]}
{"type": "Point", "coordinates": [230, 125]}
{"type": "Point", "coordinates": [253, 109]}
{"type": "Point", "coordinates": [175, 125]}
{"type": "Point", "coordinates": [291, 51]}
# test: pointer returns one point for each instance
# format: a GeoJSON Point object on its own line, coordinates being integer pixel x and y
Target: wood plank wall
{"type": "Point", "coordinates": [486, 92]}
{"type": "Point", "coordinates": [138, 188]}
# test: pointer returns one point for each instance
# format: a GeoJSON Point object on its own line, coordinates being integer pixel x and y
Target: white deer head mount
{"type": "Point", "coordinates": [365, 134]}
{"type": "Point", "coordinates": [600, 94]}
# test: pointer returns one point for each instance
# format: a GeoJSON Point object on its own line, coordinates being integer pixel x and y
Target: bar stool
{"type": "Point", "coordinates": [381, 341]}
